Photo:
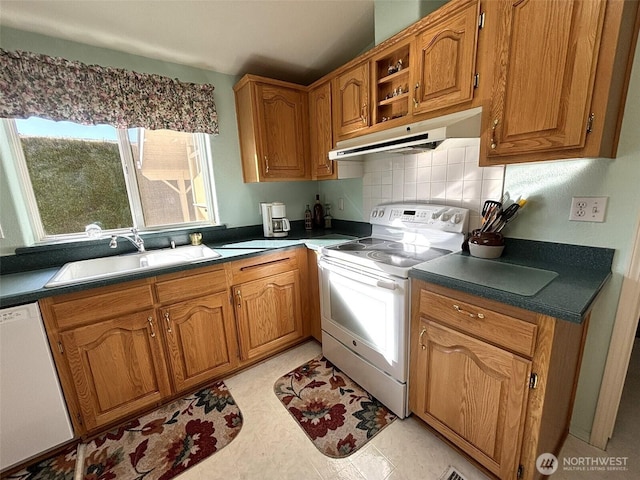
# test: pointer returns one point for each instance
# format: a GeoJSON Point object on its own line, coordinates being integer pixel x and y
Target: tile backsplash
{"type": "Point", "coordinates": [450, 176]}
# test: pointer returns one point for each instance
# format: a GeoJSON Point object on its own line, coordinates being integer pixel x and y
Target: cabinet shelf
{"type": "Point", "coordinates": [397, 98]}
{"type": "Point", "coordinates": [390, 78]}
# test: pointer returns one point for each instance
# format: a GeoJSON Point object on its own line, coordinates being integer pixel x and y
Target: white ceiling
{"type": "Point", "coordinates": [294, 40]}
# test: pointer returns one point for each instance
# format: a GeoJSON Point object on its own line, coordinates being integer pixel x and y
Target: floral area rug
{"type": "Point", "coordinates": [159, 445]}
{"type": "Point", "coordinates": [60, 467]}
{"type": "Point", "coordinates": [336, 413]}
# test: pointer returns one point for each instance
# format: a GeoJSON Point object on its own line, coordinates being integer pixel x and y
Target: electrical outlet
{"type": "Point", "coordinates": [588, 209]}
{"type": "Point", "coordinates": [1, 232]}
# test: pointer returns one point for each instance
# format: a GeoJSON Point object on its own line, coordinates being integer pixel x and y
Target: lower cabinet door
{"type": "Point", "coordinates": [201, 339]}
{"type": "Point", "coordinates": [269, 313]}
{"type": "Point", "coordinates": [473, 393]}
{"type": "Point", "coordinates": [117, 366]}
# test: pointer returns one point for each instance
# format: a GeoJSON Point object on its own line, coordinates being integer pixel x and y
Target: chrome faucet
{"type": "Point", "coordinates": [137, 241]}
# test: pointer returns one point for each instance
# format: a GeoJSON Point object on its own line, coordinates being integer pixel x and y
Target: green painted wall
{"type": "Point", "coordinates": [391, 16]}
{"type": "Point", "coordinates": [238, 202]}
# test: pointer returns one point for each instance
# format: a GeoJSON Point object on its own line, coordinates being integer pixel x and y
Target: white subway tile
{"type": "Point", "coordinates": [424, 158]}
{"type": "Point", "coordinates": [410, 161]}
{"type": "Point", "coordinates": [423, 191]}
{"type": "Point", "coordinates": [472, 172]}
{"type": "Point", "coordinates": [438, 190]}
{"type": "Point", "coordinates": [472, 189]}
{"type": "Point", "coordinates": [493, 173]}
{"type": "Point", "coordinates": [439, 157]}
{"type": "Point", "coordinates": [386, 191]}
{"type": "Point", "coordinates": [456, 155]}
{"type": "Point", "coordinates": [439, 173]}
{"type": "Point", "coordinates": [424, 174]}
{"type": "Point", "coordinates": [397, 163]}
{"type": "Point", "coordinates": [453, 190]}
{"type": "Point", "coordinates": [472, 153]}
{"type": "Point", "coordinates": [409, 192]}
{"type": "Point", "coordinates": [455, 172]}
{"type": "Point", "coordinates": [398, 177]}
{"type": "Point", "coordinates": [386, 177]}
{"type": "Point", "coordinates": [492, 189]}
{"type": "Point", "coordinates": [367, 178]}
{"type": "Point", "coordinates": [397, 192]}
{"type": "Point", "coordinates": [410, 175]}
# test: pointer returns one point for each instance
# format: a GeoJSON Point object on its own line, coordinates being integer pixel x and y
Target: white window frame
{"type": "Point", "coordinates": [133, 194]}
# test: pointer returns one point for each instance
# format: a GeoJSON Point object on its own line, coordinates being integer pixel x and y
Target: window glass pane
{"type": "Point", "coordinates": [170, 176]}
{"type": "Point", "coordinates": [76, 174]}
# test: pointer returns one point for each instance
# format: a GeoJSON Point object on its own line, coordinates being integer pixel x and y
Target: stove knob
{"type": "Point", "coordinates": [381, 213]}
{"type": "Point", "coordinates": [437, 213]}
{"type": "Point", "coordinates": [445, 217]}
{"type": "Point", "coordinates": [456, 218]}
{"type": "Point", "coordinates": [374, 213]}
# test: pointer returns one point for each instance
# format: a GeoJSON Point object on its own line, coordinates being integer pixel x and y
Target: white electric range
{"type": "Point", "coordinates": [364, 289]}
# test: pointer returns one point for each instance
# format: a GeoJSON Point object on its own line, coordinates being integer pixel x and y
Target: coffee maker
{"type": "Point", "coordinates": [274, 221]}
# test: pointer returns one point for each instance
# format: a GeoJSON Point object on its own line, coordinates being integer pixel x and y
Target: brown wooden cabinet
{"type": "Point", "coordinates": [444, 59]}
{"type": "Point", "coordinates": [321, 133]}
{"type": "Point", "coordinates": [497, 382]}
{"type": "Point", "coordinates": [269, 313]}
{"type": "Point", "coordinates": [117, 367]}
{"type": "Point", "coordinates": [201, 339]}
{"type": "Point", "coordinates": [268, 295]}
{"type": "Point", "coordinates": [273, 129]}
{"type": "Point", "coordinates": [558, 86]}
{"type": "Point", "coordinates": [350, 97]}
{"type": "Point", "coordinates": [124, 348]}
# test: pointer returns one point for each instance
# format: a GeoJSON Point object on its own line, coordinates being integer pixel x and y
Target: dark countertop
{"type": "Point", "coordinates": [581, 274]}
{"type": "Point", "coordinates": [19, 287]}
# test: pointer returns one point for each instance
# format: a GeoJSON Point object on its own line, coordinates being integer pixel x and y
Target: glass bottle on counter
{"type": "Point", "coordinates": [308, 218]}
{"type": "Point", "coordinates": [318, 213]}
{"type": "Point", "coordinates": [327, 217]}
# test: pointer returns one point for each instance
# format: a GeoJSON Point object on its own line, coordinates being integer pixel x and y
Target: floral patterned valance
{"type": "Point", "coordinates": [51, 87]}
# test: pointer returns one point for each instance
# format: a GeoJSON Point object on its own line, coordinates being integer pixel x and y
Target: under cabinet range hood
{"type": "Point", "coordinates": [413, 138]}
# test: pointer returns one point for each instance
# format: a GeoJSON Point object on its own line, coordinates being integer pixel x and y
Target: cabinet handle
{"type": "Point", "coordinates": [494, 144]}
{"type": "Point", "coordinates": [150, 320]}
{"type": "Point", "coordinates": [266, 163]}
{"type": "Point", "coordinates": [422, 345]}
{"type": "Point", "coordinates": [363, 112]}
{"type": "Point", "coordinates": [239, 295]}
{"type": "Point", "coordinates": [472, 315]}
{"type": "Point", "coordinates": [416, 103]}
{"type": "Point", "coordinates": [168, 320]}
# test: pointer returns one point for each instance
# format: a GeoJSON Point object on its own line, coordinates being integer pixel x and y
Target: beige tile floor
{"type": "Point", "coordinates": [272, 446]}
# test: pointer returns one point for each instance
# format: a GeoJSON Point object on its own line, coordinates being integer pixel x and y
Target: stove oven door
{"type": "Point", "coordinates": [367, 312]}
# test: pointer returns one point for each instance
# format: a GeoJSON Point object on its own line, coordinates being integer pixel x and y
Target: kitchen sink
{"type": "Point", "coordinates": [107, 267]}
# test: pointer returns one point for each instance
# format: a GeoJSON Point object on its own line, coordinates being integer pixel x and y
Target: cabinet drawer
{"type": "Point", "coordinates": [191, 285]}
{"type": "Point", "coordinates": [511, 333]}
{"type": "Point", "coordinates": [263, 266]}
{"type": "Point", "coordinates": [99, 304]}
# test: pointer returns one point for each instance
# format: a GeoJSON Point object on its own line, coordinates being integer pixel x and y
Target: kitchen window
{"type": "Point", "coordinates": [74, 175]}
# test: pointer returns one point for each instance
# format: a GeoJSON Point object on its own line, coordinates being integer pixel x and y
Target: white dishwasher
{"type": "Point", "coordinates": [33, 414]}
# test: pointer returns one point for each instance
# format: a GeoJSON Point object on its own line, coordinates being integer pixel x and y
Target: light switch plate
{"type": "Point", "coordinates": [588, 209]}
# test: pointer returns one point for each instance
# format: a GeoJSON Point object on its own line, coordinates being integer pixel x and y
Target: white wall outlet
{"type": "Point", "coordinates": [1, 232]}
{"type": "Point", "coordinates": [588, 209]}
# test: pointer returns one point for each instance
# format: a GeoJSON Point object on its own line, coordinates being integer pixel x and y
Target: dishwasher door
{"type": "Point", "coordinates": [33, 413]}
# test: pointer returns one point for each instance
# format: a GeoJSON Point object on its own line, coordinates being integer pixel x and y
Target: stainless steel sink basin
{"type": "Point", "coordinates": [107, 267]}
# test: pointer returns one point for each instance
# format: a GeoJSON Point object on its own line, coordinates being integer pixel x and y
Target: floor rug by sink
{"type": "Point", "coordinates": [335, 412]}
{"type": "Point", "coordinates": [168, 441]}
{"type": "Point", "coordinates": [159, 445]}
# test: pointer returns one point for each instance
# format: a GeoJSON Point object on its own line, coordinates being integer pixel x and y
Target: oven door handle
{"type": "Point", "coordinates": [357, 275]}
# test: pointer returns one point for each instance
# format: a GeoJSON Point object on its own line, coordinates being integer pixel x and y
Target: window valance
{"type": "Point", "coordinates": [58, 89]}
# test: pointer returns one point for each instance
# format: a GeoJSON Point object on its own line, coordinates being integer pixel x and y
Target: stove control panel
{"type": "Point", "coordinates": [428, 216]}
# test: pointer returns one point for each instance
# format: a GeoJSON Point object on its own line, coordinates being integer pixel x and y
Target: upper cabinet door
{"type": "Point", "coordinates": [282, 115]}
{"type": "Point", "coordinates": [351, 100]}
{"type": "Point", "coordinates": [446, 57]}
{"type": "Point", "coordinates": [273, 128]}
{"type": "Point", "coordinates": [320, 132]}
{"type": "Point", "coordinates": [546, 57]}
